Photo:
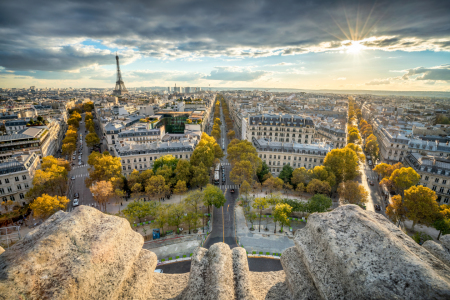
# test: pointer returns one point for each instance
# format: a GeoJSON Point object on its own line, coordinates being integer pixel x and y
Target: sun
{"type": "Point", "coordinates": [354, 47]}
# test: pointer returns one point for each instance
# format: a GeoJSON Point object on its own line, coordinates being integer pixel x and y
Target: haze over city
{"type": "Point", "coordinates": [334, 45]}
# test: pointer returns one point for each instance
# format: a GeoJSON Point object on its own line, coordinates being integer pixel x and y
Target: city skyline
{"type": "Point", "coordinates": [344, 45]}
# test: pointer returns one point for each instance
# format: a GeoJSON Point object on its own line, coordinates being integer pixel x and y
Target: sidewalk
{"type": "Point", "coordinates": [265, 241]}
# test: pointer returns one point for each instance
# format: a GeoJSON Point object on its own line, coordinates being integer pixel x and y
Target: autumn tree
{"type": "Point", "coordinates": [281, 214]}
{"type": "Point", "coordinates": [140, 210]}
{"type": "Point", "coordinates": [180, 188]}
{"type": "Point", "coordinates": [358, 150]}
{"type": "Point", "coordinates": [403, 179]}
{"type": "Point", "coordinates": [156, 187]}
{"type": "Point", "coordinates": [200, 175]}
{"type": "Point", "coordinates": [206, 151]}
{"type": "Point", "coordinates": [46, 205]}
{"type": "Point", "coordinates": [243, 150]}
{"type": "Point", "coordinates": [245, 188]}
{"type": "Point", "coordinates": [372, 147]}
{"type": "Point", "coordinates": [343, 163]}
{"type": "Point", "coordinates": [321, 173]}
{"type": "Point", "coordinates": [183, 171]}
{"type": "Point", "coordinates": [352, 192]}
{"type": "Point", "coordinates": [161, 216]}
{"type": "Point", "coordinates": [166, 160]}
{"type": "Point", "coordinates": [231, 134]}
{"type": "Point", "coordinates": [242, 171]}
{"type": "Point", "coordinates": [52, 181]}
{"type": "Point", "coordinates": [168, 174]}
{"type": "Point", "coordinates": [92, 139]}
{"type": "Point", "coordinates": [273, 183]}
{"type": "Point", "coordinates": [193, 200]}
{"type": "Point", "coordinates": [386, 170]}
{"type": "Point", "coordinates": [301, 175]}
{"type": "Point", "coordinates": [103, 167]}
{"type": "Point", "coordinates": [396, 211]}
{"type": "Point", "coordinates": [260, 204]}
{"type": "Point", "coordinates": [316, 186]}
{"type": "Point", "coordinates": [102, 191]}
{"type": "Point", "coordinates": [421, 206]}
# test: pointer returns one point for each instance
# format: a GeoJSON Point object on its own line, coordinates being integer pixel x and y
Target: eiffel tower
{"type": "Point", "coordinates": [120, 86]}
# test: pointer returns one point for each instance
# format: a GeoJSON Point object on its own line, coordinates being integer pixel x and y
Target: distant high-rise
{"type": "Point", "coordinates": [120, 86]}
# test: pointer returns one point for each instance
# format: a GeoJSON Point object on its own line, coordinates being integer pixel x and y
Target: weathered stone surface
{"type": "Point", "coordinates": [298, 279]}
{"type": "Point", "coordinates": [242, 275]}
{"type": "Point", "coordinates": [197, 282]}
{"type": "Point", "coordinates": [219, 280]}
{"type": "Point", "coordinates": [140, 277]}
{"type": "Point", "coordinates": [441, 251]}
{"type": "Point", "coordinates": [169, 286]}
{"type": "Point", "coordinates": [356, 254]}
{"type": "Point", "coordinates": [80, 255]}
{"type": "Point", "coordinates": [269, 285]}
{"type": "Point", "coordinates": [2, 250]}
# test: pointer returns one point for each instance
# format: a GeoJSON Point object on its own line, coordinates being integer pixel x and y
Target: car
{"type": "Point", "coordinates": [370, 162]}
{"type": "Point", "coordinates": [79, 156]}
{"type": "Point", "coordinates": [158, 271]}
{"type": "Point", "coordinates": [80, 163]}
{"type": "Point", "coordinates": [76, 195]}
{"type": "Point", "coordinates": [75, 202]}
{"type": "Point", "coordinates": [377, 207]}
{"type": "Point", "coordinates": [370, 182]}
{"type": "Point", "coordinates": [232, 191]}
{"type": "Point", "coordinates": [368, 157]}
{"type": "Point", "coordinates": [73, 177]}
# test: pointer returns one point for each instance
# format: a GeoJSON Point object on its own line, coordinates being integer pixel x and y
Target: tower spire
{"type": "Point", "coordinates": [120, 86]}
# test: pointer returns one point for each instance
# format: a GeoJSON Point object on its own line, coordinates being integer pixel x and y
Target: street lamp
{"type": "Point", "coordinates": [203, 218]}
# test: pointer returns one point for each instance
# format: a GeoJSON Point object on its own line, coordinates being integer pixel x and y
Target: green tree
{"type": "Point", "coordinates": [176, 215]}
{"type": "Point", "coordinates": [212, 195]}
{"type": "Point", "coordinates": [260, 204]}
{"type": "Point", "coordinates": [319, 203]}
{"type": "Point", "coordinates": [191, 219]}
{"type": "Point", "coordinates": [193, 200]}
{"type": "Point", "coordinates": [286, 173]}
{"type": "Point", "coordinates": [140, 210]}
{"type": "Point", "coordinates": [162, 216]}
{"type": "Point", "coordinates": [264, 170]}
{"type": "Point", "coordinates": [300, 175]}
{"type": "Point", "coordinates": [442, 225]}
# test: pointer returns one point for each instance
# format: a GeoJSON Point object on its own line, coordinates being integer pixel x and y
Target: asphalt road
{"type": "Point", "coordinates": [223, 218]}
{"type": "Point", "coordinates": [80, 173]}
{"type": "Point", "coordinates": [254, 265]}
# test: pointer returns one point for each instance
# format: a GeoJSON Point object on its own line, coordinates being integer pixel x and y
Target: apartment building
{"type": "Point", "coordinates": [33, 139]}
{"type": "Point", "coordinates": [16, 176]}
{"type": "Point", "coordinates": [393, 145]}
{"type": "Point", "coordinates": [136, 156]}
{"type": "Point", "coordinates": [280, 128]}
{"type": "Point", "coordinates": [434, 173]}
{"type": "Point", "coordinates": [278, 154]}
{"type": "Point", "coordinates": [12, 126]}
{"type": "Point", "coordinates": [335, 136]}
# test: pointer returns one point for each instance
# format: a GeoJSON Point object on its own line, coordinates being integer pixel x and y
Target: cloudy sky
{"type": "Point", "coordinates": [314, 44]}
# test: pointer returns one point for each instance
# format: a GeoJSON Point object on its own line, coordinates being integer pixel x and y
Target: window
{"type": "Point", "coordinates": [4, 198]}
{"type": "Point", "coordinates": [6, 180]}
{"type": "Point", "coordinates": [21, 196]}
{"type": "Point", "coordinates": [145, 158]}
{"type": "Point", "coordinates": [124, 168]}
{"type": "Point", "coordinates": [9, 189]}
{"type": "Point", "coordinates": [139, 159]}
{"type": "Point", "coordinates": [444, 181]}
{"type": "Point", "coordinates": [129, 167]}
{"type": "Point", "coordinates": [24, 177]}
{"type": "Point", "coordinates": [0, 182]}
{"type": "Point", "coordinates": [128, 161]}
{"type": "Point", "coordinates": [446, 200]}
{"type": "Point", "coordinates": [2, 191]}
{"type": "Point", "coordinates": [441, 190]}
{"type": "Point", "coordinates": [436, 180]}
{"type": "Point", "coordinates": [135, 160]}
{"type": "Point", "coordinates": [426, 178]}
{"type": "Point", "coordinates": [19, 187]}
{"type": "Point", "coordinates": [12, 197]}
{"type": "Point", "coordinates": [26, 185]}
{"type": "Point", "coordinates": [434, 188]}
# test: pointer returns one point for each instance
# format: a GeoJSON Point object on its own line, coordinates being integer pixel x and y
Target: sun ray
{"type": "Point", "coordinates": [337, 24]}
{"type": "Point", "coordinates": [349, 26]}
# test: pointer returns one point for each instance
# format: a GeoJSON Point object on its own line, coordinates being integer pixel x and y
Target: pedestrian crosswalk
{"type": "Point", "coordinates": [82, 166]}
{"type": "Point", "coordinates": [81, 175]}
{"type": "Point", "coordinates": [225, 164]}
{"type": "Point", "coordinates": [229, 186]}
{"type": "Point", "coordinates": [372, 177]}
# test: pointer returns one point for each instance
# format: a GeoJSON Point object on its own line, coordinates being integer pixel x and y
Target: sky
{"type": "Point", "coordinates": [330, 44]}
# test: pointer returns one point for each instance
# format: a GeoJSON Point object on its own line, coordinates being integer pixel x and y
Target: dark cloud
{"type": "Point", "coordinates": [32, 32]}
{"type": "Point", "coordinates": [437, 73]}
{"type": "Point", "coordinates": [234, 74]}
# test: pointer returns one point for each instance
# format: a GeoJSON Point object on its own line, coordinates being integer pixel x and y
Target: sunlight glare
{"type": "Point", "coordinates": [354, 47]}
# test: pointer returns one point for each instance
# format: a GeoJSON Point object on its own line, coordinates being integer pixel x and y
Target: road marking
{"type": "Point", "coordinates": [223, 221]}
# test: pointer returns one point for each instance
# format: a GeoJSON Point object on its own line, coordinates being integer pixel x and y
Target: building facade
{"type": "Point", "coordinates": [16, 177]}
{"type": "Point", "coordinates": [278, 154]}
{"type": "Point", "coordinates": [281, 128]}
{"type": "Point", "coordinates": [434, 173]}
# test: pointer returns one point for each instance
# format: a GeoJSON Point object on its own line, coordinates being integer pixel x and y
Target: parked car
{"type": "Point", "coordinates": [368, 157]}
{"type": "Point", "coordinates": [370, 162]}
{"type": "Point", "coordinates": [76, 195]}
{"type": "Point", "coordinates": [80, 163]}
{"type": "Point", "coordinates": [73, 177]}
{"type": "Point", "coordinates": [158, 271]}
{"type": "Point", "coordinates": [75, 202]}
{"type": "Point", "coordinates": [232, 191]}
{"type": "Point", "coordinates": [370, 182]}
